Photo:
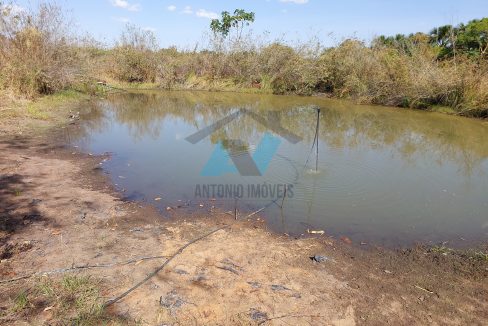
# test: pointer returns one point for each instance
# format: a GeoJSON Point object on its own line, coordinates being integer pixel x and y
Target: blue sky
{"type": "Point", "coordinates": [182, 23]}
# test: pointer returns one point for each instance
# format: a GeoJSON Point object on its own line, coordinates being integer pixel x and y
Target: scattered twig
{"type": "Point", "coordinates": [424, 289]}
{"type": "Point", "coordinates": [227, 268]}
{"type": "Point", "coordinates": [289, 316]}
{"type": "Point", "coordinates": [256, 212]}
{"type": "Point", "coordinates": [81, 267]}
{"type": "Point", "coordinates": [157, 270]}
{"type": "Point", "coordinates": [263, 208]}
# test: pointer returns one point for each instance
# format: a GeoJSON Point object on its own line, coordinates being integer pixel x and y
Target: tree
{"type": "Point", "coordinates": [474, 37]}
{"type": "Point", "coordinates": [401, 42]}
{"type": "Point", "coordinates": [238, 20]}
{"type": "Point", "coordinates": [470, 39]}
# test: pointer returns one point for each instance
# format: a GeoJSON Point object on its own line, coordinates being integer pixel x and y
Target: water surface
{"type": "Point", "coordinates": [383, 175]}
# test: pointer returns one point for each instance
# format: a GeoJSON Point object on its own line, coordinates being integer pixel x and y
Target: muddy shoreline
{"type": "Point", "coordinates": [59, 209]}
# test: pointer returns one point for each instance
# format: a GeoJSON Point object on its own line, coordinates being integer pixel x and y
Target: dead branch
{"type": "Point", "coordinates": [288, 316]}
{"type": "Point", "coordinates": [81, 267]}
{"type": "Point", "coordinates": [160, 268]}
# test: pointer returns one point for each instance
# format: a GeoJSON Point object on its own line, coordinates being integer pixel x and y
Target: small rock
{"type": "Point", "coordinates": [181, 271]}
{"type": "Point", "coordinates": [296, 295]}
{"type": "Point", "coordinates": [200, 278]}
{"type": "Point", "coordinates": [319, 258]}
{"type": "Point", "coordinates": [257, 315]}
{"type": "Point", "coordinates": [171, 300]}
{"type": "Point", "coordinates": [254, 285]}
{"type": "Point", "coordinates": [26, 245]}
{"type": "Point", "coordinates": [277, 287]}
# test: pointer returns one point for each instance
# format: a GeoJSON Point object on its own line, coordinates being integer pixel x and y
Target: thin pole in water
{"type": "Point", "coordinates": [235, 208]}
{"type": "Point", "coordinates": [284, 195]}
{"type": "Point", "coordinates": [317, 139]}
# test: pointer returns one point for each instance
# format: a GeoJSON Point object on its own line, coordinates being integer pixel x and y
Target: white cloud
{"type": "Point", "coordinates": [298, 2]}
{"type": "Point", "coordinates": [149, 29]}
{"type": "Point", "coordinates": [126, 5]}
{"type": "Point", "coordinates": [187, 10]}
{"type": "Point", "coordinates": [207, 14]}
{"type": "Point", "coordinates": [203, 13]}
{"type": "Point", "coordinates": [121, 19]}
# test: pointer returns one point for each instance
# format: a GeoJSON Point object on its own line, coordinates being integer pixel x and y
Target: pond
{"type": "Point", "coordinates": [373, 174]}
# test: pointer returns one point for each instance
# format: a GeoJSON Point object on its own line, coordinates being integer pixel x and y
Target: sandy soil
{"type": "Point", "coordinates": [57, 209]}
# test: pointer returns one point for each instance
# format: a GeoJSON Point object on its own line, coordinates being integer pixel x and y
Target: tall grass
{"type": "Point", "coordinates": [408, 76]}
{"type": "Point", "coordinates": [389, 76]}
{"type": "Point", "coordinates": [38, 55]}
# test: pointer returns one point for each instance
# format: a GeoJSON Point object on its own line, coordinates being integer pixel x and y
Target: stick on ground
{"type": "Point", "coordinates": [81, 267]}
{"type": "Point", "coordinates": [160, 268]}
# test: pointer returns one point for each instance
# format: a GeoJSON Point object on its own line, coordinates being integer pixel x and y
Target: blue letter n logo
{"type": "Point", "coordinates": [232, 156]}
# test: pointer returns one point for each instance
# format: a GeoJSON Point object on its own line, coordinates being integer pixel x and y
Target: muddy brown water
{"type": "Point", "coordinates": [380, 175]}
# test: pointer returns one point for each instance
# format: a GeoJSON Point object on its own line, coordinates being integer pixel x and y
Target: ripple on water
{"type": "Point", "coordinates": [349, 181]}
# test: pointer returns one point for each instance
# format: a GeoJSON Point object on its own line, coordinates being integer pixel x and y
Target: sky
{"type": "Point", "coordinates": [183, 23]}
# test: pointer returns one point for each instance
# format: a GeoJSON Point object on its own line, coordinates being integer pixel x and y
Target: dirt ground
{"type": "Point", "coordinates": [58, 210]}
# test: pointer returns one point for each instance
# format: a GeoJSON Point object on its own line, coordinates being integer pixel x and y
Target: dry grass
{"type": "Point", "coordinates": [31, 116]}
{"type": "Point", "coordinates": [368, 74]}
{"type": "Point", "coordinates": [39, 55]}
{"type": "Point", "coordinates": [383, 75]}
{"type": "Point", "coordinates": [68, 300]}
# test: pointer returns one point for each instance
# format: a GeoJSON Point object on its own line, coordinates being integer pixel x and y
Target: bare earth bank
{"type": "Point", "coordinates": [58, 210]}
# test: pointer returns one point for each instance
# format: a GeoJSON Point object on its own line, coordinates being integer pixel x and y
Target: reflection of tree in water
{"type": "Point", "coordinates": [96, 118]}
{"type": "Point", "coordinates": [343, 125]}
{"type": "Point", "coordinates": [410, 133]}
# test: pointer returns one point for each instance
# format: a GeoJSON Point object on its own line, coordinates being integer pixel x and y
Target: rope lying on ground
{"type": "Point", "coordinates": [160, 268]}
{"type": "Point", "coordinates": [81, 267]}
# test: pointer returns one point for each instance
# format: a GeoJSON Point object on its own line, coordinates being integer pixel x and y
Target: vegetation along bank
{"type": "Point", "coordinates": [445, 69]}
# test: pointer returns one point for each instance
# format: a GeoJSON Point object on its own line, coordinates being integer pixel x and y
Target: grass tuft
{"type": "Point", "coordinates": [21, 302]}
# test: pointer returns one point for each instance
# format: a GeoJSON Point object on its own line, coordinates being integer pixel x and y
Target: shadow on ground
{"type": "Point", "coordinates": [15, 211]}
